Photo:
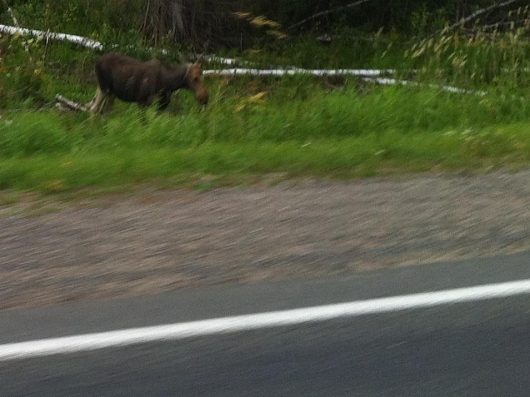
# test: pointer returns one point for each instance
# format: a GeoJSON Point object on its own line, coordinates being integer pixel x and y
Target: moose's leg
{"type": "Point", "coordinates": [146, 101]}
{"type": "Point", "coordinates": [96, 105]}
{"type": "Point", "coordinates": [90, 104]}
{"type": "Point", "coordinates": [164, 101]}
{"type": "Point", "coordinates": [107, 103]}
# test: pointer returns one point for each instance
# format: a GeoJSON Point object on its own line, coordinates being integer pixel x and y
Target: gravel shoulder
{"type": "Point", "coordinates": [154, 241]}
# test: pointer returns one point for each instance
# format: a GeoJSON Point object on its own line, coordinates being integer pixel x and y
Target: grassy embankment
{"type": "Point", "coordinates": [293, 126]}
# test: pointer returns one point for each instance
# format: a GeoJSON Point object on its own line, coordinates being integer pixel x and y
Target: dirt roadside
{"type": "Point", "coordinates": [157, 241]}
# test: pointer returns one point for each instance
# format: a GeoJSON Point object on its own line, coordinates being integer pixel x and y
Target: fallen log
{"type": "Point", "coordinates": [79, 40]}
{"type": "Point", "coordinates": [298, 71]}
{"type": "Point", "coordinates": [446, 88]}
{"type": "Point", "coordinates": [64, 103]}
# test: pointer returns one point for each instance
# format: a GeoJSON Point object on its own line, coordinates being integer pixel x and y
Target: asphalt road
{"type": "Point", "coordinates": [466, 349]}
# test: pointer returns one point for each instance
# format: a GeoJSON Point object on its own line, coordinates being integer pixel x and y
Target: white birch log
{"type": "Point", "coordinates": [79, 40]}
{"type": "Point", "coordinates": [225, 61]}
{"type": "Point", "coordinates": [64, 102]}
{"type": "Point", "coordinates": [446, 88]}
{"type": "Point", "coordinates": [96, 45]}
{"type": "Point", "coordinates": [297, 71]}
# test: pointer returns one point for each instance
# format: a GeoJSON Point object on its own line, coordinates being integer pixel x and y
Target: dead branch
{"type": "Point", "coordinates": [327, 12]}
{"type": "Point", "coordinates": [15, 22]}
{"type": "Point", "coordinates": [480, 12]}
{"type": "Point", "coordinates": [64, 102]}
{"type": "Point", "coordinates": [11, 13]}
{"type": "Point", "coordinates": [498, 25]}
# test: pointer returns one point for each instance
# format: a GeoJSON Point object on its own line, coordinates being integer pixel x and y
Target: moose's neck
{"type": "Point", "coordinates": [176, 78]}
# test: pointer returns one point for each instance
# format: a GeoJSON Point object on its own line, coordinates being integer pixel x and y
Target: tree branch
{"type": "Point", "coordinates": [327, 12]}
{"type": "Point", "coordinates": [11, 13]}
{"type": "Point", "coordinates": [480, 12]}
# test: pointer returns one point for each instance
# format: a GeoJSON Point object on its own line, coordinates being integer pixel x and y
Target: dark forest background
{"type": "Point", "coordinates": [237, 23]}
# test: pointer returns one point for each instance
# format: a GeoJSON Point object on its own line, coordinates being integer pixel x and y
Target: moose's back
{"type": "Point", "coordinates": [127, 78]}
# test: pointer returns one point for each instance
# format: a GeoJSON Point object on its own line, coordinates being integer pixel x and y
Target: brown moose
{"type": "Point", "coordinates": [131, 80]}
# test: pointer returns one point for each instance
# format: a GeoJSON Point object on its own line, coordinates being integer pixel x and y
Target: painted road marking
{"type": "Point", "coordinates": [225, 325]}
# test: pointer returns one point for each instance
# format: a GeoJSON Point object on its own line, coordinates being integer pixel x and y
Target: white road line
{"type": "Point", "coordinates": [126, 337]}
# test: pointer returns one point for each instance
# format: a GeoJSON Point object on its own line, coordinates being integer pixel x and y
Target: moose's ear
{"type": "Point", "coordinates": [200, 59]}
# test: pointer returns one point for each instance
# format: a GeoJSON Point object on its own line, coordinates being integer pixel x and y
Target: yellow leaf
{"type": "Point", "coordinates": [56, 185]}
{"type": "Point", "coordinates": [258, 97]}
{"type": "Point", "coordinates": [242, 15]}
{"type": "Point", "coordinates": [262, 21]}
{"type": "Point", "coordinates": [278, 34]}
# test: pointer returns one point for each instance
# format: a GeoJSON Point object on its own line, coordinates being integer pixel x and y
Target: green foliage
{"type": "Point", "coordinates": [479, 58]}
{"type": "Point", "coordinates": [31, 135]}
{"type": "Point", "coordinates": [367, 155]}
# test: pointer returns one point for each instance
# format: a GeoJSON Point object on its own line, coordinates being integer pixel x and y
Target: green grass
{"type": "Point", "coordinates": [368, 155]}
{"type": "Point", "coordinates": [351, 132]}
{"type": "Point", "coordinates": [301, 112]}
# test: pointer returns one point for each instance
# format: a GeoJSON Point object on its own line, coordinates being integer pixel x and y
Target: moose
{"type": "Point", "coordinates": [143, 82]}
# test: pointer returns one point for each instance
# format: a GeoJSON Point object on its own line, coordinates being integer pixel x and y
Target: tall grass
{"type": "Point", "coordinates": [273, 118]}
{"type": "Point", "coordinates": [495, 55]}
{"type": "Point", "coordinates": [347, 132]}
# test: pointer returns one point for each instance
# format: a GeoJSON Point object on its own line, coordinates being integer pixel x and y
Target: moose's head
{"type": "Point", "coordinates": [194, 82]}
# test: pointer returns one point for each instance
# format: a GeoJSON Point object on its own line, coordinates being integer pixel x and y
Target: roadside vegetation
{"type": "Point", "coordinates": [330, 127]}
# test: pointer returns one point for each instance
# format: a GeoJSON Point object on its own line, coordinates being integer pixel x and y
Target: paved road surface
{"type": "Point", "coordinates": [475, 349]}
